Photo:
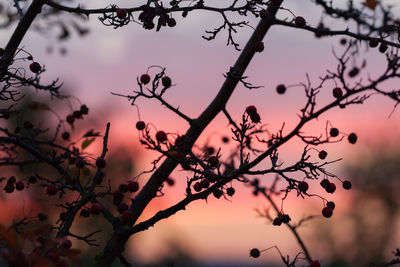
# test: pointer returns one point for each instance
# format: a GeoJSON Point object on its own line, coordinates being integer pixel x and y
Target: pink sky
{"type": "Point", "coordinates": [109, 60]}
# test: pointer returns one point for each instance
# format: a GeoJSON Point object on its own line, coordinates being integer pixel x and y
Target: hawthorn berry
{"type": "Point", "coordinates": [325, 183]}
{"type": "Point", "coordinates": [70, 119]}
{"type": "Point", "coordinates": [32, 179]}
{"type": "Point", "coordinates": [65, 135]}
{"type": "Point", "coordinates": [166, 81]}
{"type": "Point", "coordinates": [213, 161]}
{"type": "Point", "coordinates": [331, 205]}
{"type": "Point", "coordinates": [205, 183]}
{"type": "Point", "coordinates": [19, 185]}
{"type": "Point", "coordinates": [337, 92]}
{"type": "Point", "coordinates": [281, 89]}
{"type": "Point", "coordinates": [343, 41]}
{"type": "Point", "coordinates": [118, 196]}
{"type": "Point", "coordinates": [85, 212]}
{"type": "Point", "coordinates": [285, 218]}
{"type": "Point", "coordinates": [374, 42]}
{"type": "Point", "coordinates": [255, 253]}
{"type": "Point", "coordinates": [197, 187]}
{"type": "Point", "coordinates": [331, 188]}
{"type": "Point", "coordinates": [277, 221]}
{"type": "Point", "coordinates": [84, 110]}
{"type": "Point", "coordinates": [251, 110]}
{"type": "Point", "coordinates": [9, 188]}
{"type": "Point", "coordinates": [96, 209]}
{"type": "Point", "coordinates": [315, 264]}
{"type": "Point", "coordinates": [255, 117]}
{"type": "Point", "coordinates": [230, 191]}
{"type": "Point", "coordinates": [300, 21]}
{"type": "Point", "coordinates": [171, 22]}
{"type": "Point", "coordinates": [121, 13]}
{"type": "Point", "coordinates": [122, 207]}
{"type": "Point", "coordinates": [259, 47]}
{"type": "Point", "coordinates": [127, 216]}
{"type": "Point", "coordinates": [217, 193]}
{"type": "Point", "coordinates": [161, 136]}
{"type": "Point", "coordinates": [133, 186]}
{"type": "Point", "coordinates": [140, 125]}
{"type": "Point", "coordinates": [35, 67]}
{"type": "Point", "coordinates": [327, 212]}
{"type": "Point", "coordinates": [346, 185]}
{"type": "Point", "coordinates": [51, 189]}
{"type": "Point", "coordinates": [383, 47]}
{"type": "Point", "coordinates": [77, 114]}
{"type": "Point", "coordinates": [67, 244]}
{"type": "Point", "coordinates": [145, 78]}
{"type": "Point", "coordinates": [100, 163]}
{"type": "Point", "coordinates": [303, 186]}
{"type": "Point", "coordinates": [352, 138]}
{"type": "Point", "coordinates": [322, 154]}
{"type": "Point", "coordinates": [354, 72]}
{"type": "Point", "coordinates": [334, 132]}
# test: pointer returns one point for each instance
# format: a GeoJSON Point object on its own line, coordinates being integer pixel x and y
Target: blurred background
{"type": "Point", "coordinates": [96, 60]}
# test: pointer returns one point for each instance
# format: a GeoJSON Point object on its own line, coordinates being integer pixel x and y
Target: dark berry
{"type": "Point", "coordinates": [315, 264]}
{"type": "Point", "coordinates": [32, 179]}
{"type": "Point", "coordinates": [300, 21]}
{"type": "Point", "coordinates": [331, 205]}
{"type": "Point", "coordinates": [77, 114]}
{"type": "Point", "coordinates": [325, 183]}
{"type": "Point", "coordinates": [27, 125]}
{"type": "Point", "coordinates": [122, 207]}
{"type": "Point", "coordinates": [35, 67]}
{"type": "Point", "coordinates": [123, 188]}
{"type": "Point", "coordinates": [327, 212]}
{"type": "Point", "coordinates": [383, 47]}
{"type": "Point", "coordinates": [133, 186]}
{"type": "Point", "coordinates": [51, 189]}
{"type": "Point", "coordinates": [9, 188]}
{"type": "Point", "coordinates": [67, 244]}
{"type": "Point", "coordinates": [346, 185]}
{"type": "Point", "coordinates": [85, 212]}
{"type": "Point", "coordinates": [331, 188]}
{"type": "Point", "coordinates": [127, 216]}
{"type": "Point", "coordinates": [84, 110]}
{"type": "Point", "coordinates": [121, 13]}
{"type": "Point", "coordinates": [20, 185]}
{"type": "Point", "coordinates": [285, 218]}
{"type": "Point", "coordinates": [213, 161]}
{"type": "Point", "coordinates": [334, 132]}
{"type": "Point", "coordinates": [374, 42]}
{"type": "Point", "coordinates": [70, 119]}
{"type": "Point", "coordinates": [303, 186]}
{"type": "Point", "coordinates": [259, 47]}
{"type": "Point", "coordinates": [277, 221]}
{"type": "Point", "coordinates": [205, 183]}
{"type": "Point", "coordinates": [230, 191]}
{"type": "Point", "coordinates": [251, 110]}
{"type": "Point", "coordinates": [118, 196]}
{"type": "Point", "coordinates": [170, 181]}
{"type": "Point", "coordinates": [354, 72]}
{"type": "Point", "coordinates": [96, 209]}
{"type": "Point", "coordinates": [197, 187]}
{"type": "Point", "coordinates": [171, 22]}
{"type": "Point", "coordinates": [352, 138]}
{"type": "Point", "coordinates": [337, 92]}
{"type": "Point", "coordinates": [140, 125]}
{"type": "Point", "coordinates": [322, 154]}
{"type": "Point", "coordinates": [343, 41]}
{"type": "Point", "coordinates": [255, 253]}
{"type": "Point", "coordinates": [145, 78]}
{"type": "Point", "coordinates": [281, 89]}
{"type": "Point", "coordinates": [166, 81]}
{"type": "Point", "coordinates": [100, 163]}
{"type": "Point", "coordinates": [65, 135]}
{"type": "Point", "coordinates": [255, 117]}
{"type": "Point", "coordinates": [217, 193]}
{"type": "Point", "coordinates": [161, 136]}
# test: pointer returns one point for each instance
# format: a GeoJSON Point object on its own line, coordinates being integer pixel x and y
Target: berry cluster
{"type": "Point", "coordinates": [252, 112]}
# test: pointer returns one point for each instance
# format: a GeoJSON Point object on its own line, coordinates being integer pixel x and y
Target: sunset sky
{"type": "Point", "coordinates": [109, 60]}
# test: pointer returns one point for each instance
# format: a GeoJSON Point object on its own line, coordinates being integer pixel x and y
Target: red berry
{"type": "Point", "coordinates": [322, 154]}
{"type": "Point", "coordinates": [281, 89]}
{"type": "Point", "coordinates": [230, 191]}
{"type": "Point", "coordinates": [346, 185]}
{"type": "Point", "coordinates": [217, 193]}
{"type": "Point", "coordinates": [260, 47]}
{"type": "Point", "coordinates": [133, 186]}
{"type": "Point", "coordinates": [20, 185]}
{"type": "Point", "coordinates": [352, 138]}
{"type": "Point", "coordinates": [96, 209]}
{"type": "Point", "coordinates": [213, 161]}
{"type": "Point", "coordinates": [70, 119]}
{"type": "Point", "coordinates": [303, 186]}
{"type": "Point", "coordinates": [331, 205]}
{"type": "Point", "coordinates": [65, 135]}
{"type": "Point", "coordinates": [127, 216]}
{"type": "Point", "coordinates": [337, 92]}
{"type": "Point", "coordinates": [67, 243]}
{"type": "Point", "coordinates": [197, 187]}
{"type": "Point", "coordinates": [334, 132]}
{"type": "Point", "coordinates": [331, 188]}
{"type": "Point", "coordinates": [300, 21]}
{"type": "Point", "coordinates": [77, 114]}
{"type": "Point", "coordinates": [140, 125]}
{"type": "Point", "coordinates": [327, 212]}
{"type": "Point", "coordinates": [51, 189]}
{"type": "Point", "coordinates": [35, 67]}
{"type": "Point", "coordinates": [161, 136]}
{"type": "Point", "coordinates": [251, 110]}
{"type": "Point", "coordinates": [255, 253]}
{"type": "Point", "coordinates": [122, 207]}
{"type": "Point", "coordinates": [315, 264]}
{"type": "Point", "coordinates": [166, 81]}
{"type": "Point", "coordinates": [255, 117]}
{"type": "Point", "coordinates": [100, 163]}
{"type": "Point", "coordinates": [145, 78]}
{"type": "Point", "coordinates": [325, 183]}
{"type": "Point", "coordinates": [121, 13]}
